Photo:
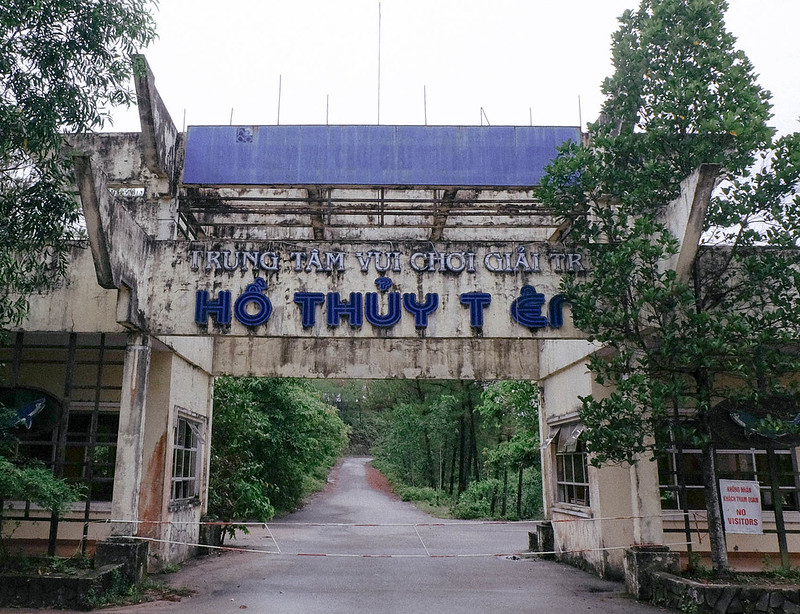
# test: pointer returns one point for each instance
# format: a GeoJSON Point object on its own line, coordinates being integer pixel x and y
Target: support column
{"type": "Point", "coordinates": [130, 441]}
{"type": "Point", "coordinates": [648, 527]}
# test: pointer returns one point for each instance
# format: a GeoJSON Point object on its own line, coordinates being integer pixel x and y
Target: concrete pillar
{"type": "Point", "coordinates": [128, 471]}
{"type": "Point", "coordinates": [648, 528]}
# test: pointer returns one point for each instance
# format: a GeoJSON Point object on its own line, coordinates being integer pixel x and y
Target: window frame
{"type": "Point", "coordinates": [571, 467]}
{"type": "Point", "coordinates": [670, 489]}
{"type": "Point", "coordinates": [187, 459]}
{"type": "Point", "coordinates": [78, 467]}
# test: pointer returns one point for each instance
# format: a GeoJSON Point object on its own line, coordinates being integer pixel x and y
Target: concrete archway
{"type": "Point", "coordinates": [319, 251]}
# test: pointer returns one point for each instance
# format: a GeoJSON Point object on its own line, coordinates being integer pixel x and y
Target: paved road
{"type": "Point", "coordinates": [416, 564]}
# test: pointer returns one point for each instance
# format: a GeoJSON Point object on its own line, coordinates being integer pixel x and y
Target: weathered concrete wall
{"type": "Point", "coordinates": [450, 270]}
{"type": "Point", "coordinates": [78, 305]}
{"type": "Point", "coordinates": [174, 385]}
{"type": "Point", "coordinates": [198, 351]}
{"type": "Point", "coordinates": [377, 358]}
{"type": "Point", "coordinates": [589, 536]}
{"type": "Point", "coordinates": [130, 440]}
{"type": "Point", "coordinates": [558, 354]}
{"type": "Point", "coordinates": [156, 459]}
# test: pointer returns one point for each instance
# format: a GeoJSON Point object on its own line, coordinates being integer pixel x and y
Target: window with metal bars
{"type": "Point", "coordinates": [186, 459]}
{"type": "Point", "coordinates": [89, 455]}
{"type": "Point", "coordinates": [731, 464]}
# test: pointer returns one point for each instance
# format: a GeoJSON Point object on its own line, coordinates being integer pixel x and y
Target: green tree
{"type": "Point", "coordinates": [681, 96]}
{"type": "Point", "coordinates": [63, 64]}
{"type": "Point", "coordinates": [350, 398]}
{"type": "Point", "coordinates": [431, 435]}
{"type": "Point", "coordinates": [513, 409]}
{"type": "Point", "coordinates": [460, 441]}
{"type": "Point", "coordinates": [274, 441]}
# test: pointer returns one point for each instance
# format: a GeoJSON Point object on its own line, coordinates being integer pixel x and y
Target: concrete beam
{"type": "Point", "coordinates": [685, 215]}
{"type": "Point", "coordinates": [316, 199]}
{"type": "Point", "coordinates": [442, 209]}
{"type": "Point", "coordinates": [93, 190]}
{"type": "Point", "coordinates": [119, 154]}
{"type": "Point", "coordinates": [441, 212]}
{"type": "Point", "coordinates": [120, 248]}
{"type": "Point", "coordinates": [130, 441]}
{"type": "Point", "coordinates": [159, 134]}
{"type": "Point", "coordinates": [454, 359]}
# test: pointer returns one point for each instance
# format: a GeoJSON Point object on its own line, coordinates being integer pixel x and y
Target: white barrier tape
{"type": "Point", "coordinates": [322, 524]}
{"type": "Point", "coordinates": [391, 556]}
{"type": "Point", "coordinates": [670, 516]}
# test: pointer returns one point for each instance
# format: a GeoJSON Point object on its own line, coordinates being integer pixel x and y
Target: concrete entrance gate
{"type": "Point", "coordinates": [313, 251]}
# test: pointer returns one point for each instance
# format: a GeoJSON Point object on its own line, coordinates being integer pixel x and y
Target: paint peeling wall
{"type": "Point", "coordinates": [176, 387]}
{"type": "Point", "coordinates": [592, 536]}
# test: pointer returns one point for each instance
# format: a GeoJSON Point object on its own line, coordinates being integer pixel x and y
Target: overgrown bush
{"type": "Point", "coordinates": [274, 441]}
{"type": "Point", "coordinates": [418, 493]}
{"type": "Point", "coordinates": [476, 500]}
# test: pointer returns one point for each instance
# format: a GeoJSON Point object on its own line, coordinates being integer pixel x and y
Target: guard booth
{"type": "Point", "coordinates": [313, 251]}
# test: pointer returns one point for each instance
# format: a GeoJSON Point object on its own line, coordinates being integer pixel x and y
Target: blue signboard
{"type": "Point", "coordinates": [463, 156]}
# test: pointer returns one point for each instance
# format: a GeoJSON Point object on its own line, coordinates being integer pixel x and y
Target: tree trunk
{"type": "Point", "coordinates": [716, 532]}
{"type": "Point", "coordinates": [462, 478]}
{"type": "Point", "coordinates": [716, 528]}
{"type": "Point", "coordinates": [429, 465]}
{"type": "Point", "coordinates": [473, 441]}
{"type": "Point", "coordinates": [777, 501]}
{"type": "Point", "coordinates": [453, 469]}
{"type": "Point", "coordinates": [493, 505]}
{"type": "Point", "coordinates": [505, 492]}
{"type": "Point", "coordinates": [519, 494]}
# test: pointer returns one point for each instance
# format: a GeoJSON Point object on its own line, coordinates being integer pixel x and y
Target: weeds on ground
{"type": "Point", "coordinates": [769, 575]}
{"type": "Point", "coordinates": [123, 592]}
{"type": "Point", "coordinates": [42, 565]}
{"type": "Point", "coordinates": [170, 568]}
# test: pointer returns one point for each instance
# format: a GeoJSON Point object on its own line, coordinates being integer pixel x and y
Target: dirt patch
{"type": "Point", "coordinates": [377, 481]}
{"type": "Point", "coordinates": [333, 477]}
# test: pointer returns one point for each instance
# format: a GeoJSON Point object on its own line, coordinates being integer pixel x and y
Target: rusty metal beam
{"type": "Point", "coordinates": [316, 197]}
{"type": "Point", "coordinates": [440, 212]}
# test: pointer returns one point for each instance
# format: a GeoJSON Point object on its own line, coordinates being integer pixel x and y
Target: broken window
{"type": "Point", "coordinates": [572, 477]}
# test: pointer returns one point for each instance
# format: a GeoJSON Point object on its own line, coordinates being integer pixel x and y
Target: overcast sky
{"type": "Point", "coordinates": [519, 60]}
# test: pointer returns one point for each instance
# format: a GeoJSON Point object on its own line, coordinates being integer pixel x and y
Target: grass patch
{"type": "Point", "coordinates": [774, 577]}
{"type": "Point", "coordinates": [440, 511]}
{"type": "Point", "coordinates": [149, 590]}
{"type": "Point", "coordinates": [42, 565]}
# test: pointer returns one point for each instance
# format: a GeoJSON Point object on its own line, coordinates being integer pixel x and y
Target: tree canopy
{"type": "Point", "coordinates": [274, 441]}
{"type": "Point", "coordinates": [63, 65]}
{"type": "Point", "coordinates": [463, 448]}
{"type": "Point", "coordinates": [682, 95]}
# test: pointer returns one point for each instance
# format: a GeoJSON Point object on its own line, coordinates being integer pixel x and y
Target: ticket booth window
{"type": "Point", "coordinates": [186, 459]}
{"type": "Point", "coordinates": [572, 477]}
